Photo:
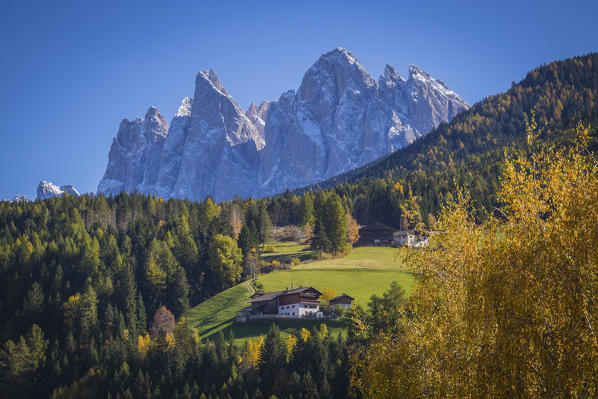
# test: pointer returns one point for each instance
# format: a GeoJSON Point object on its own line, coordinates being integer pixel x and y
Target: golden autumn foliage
{"type": "Point", "coordinates": [254, 351]}
{"type": "Point", "coordinates": [143, 344]}
{"type": "Point", "coordinates": [323, 331]}
{"type": "Point", "coordinates": [304, 334]}
{"type": "Point", "coordinates": [507, 308]}
{"type": "Point", "coordinates": [327, 295]}
{"type": "Point", "coordinates": [291, 343]}
{"type": "Point", "coordinates": [352, 229]}
{"type": "Point", "coordinates": [170, 341]}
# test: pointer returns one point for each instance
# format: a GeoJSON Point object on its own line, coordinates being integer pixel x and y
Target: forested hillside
{"type": "Point", "coordinates": [88, 283]}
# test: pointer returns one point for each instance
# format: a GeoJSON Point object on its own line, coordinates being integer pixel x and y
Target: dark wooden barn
{"type": "Point", "coordinates": [376, 234]}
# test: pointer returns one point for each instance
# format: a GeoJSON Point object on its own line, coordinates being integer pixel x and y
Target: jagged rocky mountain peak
{"type": "Point", "coordinates": [415, 71]}
{"type": "Point", "coordinates": [252, 110]}
{"type": "Point", "coordinates": [19, 198]}
{"type": "Point", "coordinates": [338, 119]}
{"type": "Point", "coordinates": [342, 55]}
{"type": "Point", "coordinates": [336, 71]}
{"type": "Point", "coordinates": [417, 74]}
{"type": "Point", "coordinates": [185, 107]}
{"type": "Point", "coordinates": [209, 76]}
{"type": "Point", "coordinates": [263, 107]}
{"type": "Point", "coordinates": [258, 110]}
{"type": "Point", "coordinates": [70, 189]}
{"type": "Point", "coordinates": [46, 189]}
{"type": "Point", "coordinates": [390, 76]}
{"type": "Point", "coordinates": [152, 112]}
{"type": "Point", "coordinates": [155, 126]}
{"type": "Point", "coordinates": [213, 77]}
{"type": "Point", "coordinates": [257, 115]}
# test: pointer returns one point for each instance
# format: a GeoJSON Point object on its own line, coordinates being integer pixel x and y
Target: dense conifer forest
{"type": "Point", "coordinates": [93, 289]}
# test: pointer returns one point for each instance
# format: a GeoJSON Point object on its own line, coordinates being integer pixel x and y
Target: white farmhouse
{"type": "Point", "coordinates": [410, 238]}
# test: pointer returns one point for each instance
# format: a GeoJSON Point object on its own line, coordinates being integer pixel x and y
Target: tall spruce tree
{"type": "Point", "coordinates": [306, 210]}
{"type": "Point", "coordinates": [337, 224]}
{"type": "Point", "coordinates": [273, 357]}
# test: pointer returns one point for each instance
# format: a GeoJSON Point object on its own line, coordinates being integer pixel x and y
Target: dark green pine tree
{"type": "Point", "coordinates": [178, 291]}
{"type": "Point", "coordinates": [273, 358]}
{"type": "Point", "coordinates": [306, 215]}
{"type": "Point", "coordinates": [337, 224]}
{"type": "Point", "coordinates": [248, 237]}
{"type": "Point", "coordinates": [265, 224]}
{"type": "Point", "coordinates": [141, 315]}
{"type": "Point", "coordinates": [185, 249]}
{"type": "Point", "coordinates": [310, 388]}
{"type": "Point", "coordinates": [320, 241]}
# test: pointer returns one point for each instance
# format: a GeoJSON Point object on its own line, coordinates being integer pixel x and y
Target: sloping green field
{"type": "Point", "coordinates": [365, 272]}
{"type": "Point", "coordinates": [219, 311]}
{"type": "Point", "coordinates": [285, 251]}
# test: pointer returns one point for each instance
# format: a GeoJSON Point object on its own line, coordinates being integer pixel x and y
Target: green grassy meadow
{"type": "Point", "coordinates": [362, 258]}
{"type": "Point", "coordinates": [285, 251]}
{"type": "Point", "coordinates": [218, 312]}
{"type": "Point", "coordinates": [366, 271]}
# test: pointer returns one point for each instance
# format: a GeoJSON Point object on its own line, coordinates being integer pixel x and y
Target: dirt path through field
{"type": "Point", "coordinates": [249, 287]}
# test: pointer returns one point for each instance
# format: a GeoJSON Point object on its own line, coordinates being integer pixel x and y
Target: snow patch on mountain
{"type": "Point", "coordinates": [47, 189]}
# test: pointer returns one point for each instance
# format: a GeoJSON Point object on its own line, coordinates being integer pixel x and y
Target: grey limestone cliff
{"type": "Point", "coordinates": [340, 118]}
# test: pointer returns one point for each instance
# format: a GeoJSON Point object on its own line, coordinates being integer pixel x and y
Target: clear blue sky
{"type": "Point", "coordinates": [70, 71]}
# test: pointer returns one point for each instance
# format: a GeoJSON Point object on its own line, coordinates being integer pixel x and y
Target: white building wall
{"type": "Point", "coordinates": [297, 310]}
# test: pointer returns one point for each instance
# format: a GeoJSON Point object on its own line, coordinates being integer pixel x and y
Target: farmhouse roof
{"type": "Point", "coordinates": [272, 295]}
{"type": "Point", "coordinates": [404, 232]}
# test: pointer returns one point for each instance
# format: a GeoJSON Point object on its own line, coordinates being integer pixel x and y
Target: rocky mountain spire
{"type": "Point", "coordinates": [257, 115]}
{"type": "Point", "coordinates": [133, 160]}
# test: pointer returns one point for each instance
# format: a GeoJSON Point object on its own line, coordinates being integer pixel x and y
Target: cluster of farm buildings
{"type": "Point", "coordinates": [294, 303]}
{"type": "Point", "coordinates": [379, 234]}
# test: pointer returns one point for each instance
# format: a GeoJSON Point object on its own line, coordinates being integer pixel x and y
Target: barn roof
{"type": "Point", "coordinates": [377, 226]}
{"type": "Point", "coordinates": [336, 298]}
